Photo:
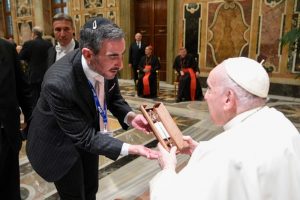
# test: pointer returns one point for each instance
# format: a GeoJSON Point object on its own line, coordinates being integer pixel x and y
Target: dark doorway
{"type": "Point", "coordinates": [151, 21]}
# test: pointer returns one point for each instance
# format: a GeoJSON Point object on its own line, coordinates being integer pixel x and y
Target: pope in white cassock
{"type": "Point", "coordinates": [257, 157]}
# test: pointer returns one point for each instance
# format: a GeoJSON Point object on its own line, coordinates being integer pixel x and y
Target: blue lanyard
{"type": "Point", "coordinates": [98, 107]}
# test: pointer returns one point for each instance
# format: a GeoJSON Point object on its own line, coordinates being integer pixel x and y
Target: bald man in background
{"type": "Point", "coordinates": [257, 156]}
{"type": "Point", "coordinates": [35, 53]}
{"type": "Point", "coordinates": [136, 52]}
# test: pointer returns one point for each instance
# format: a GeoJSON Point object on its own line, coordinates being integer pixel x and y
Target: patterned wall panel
{"type": "Point", "coordinates": [100, 8]}
{"type": "Point", "coordinates": [296, 47]}
{"type": "Point", "coordinates": [23, 8]}
{"type": "Point", "coordinates": [228, 31]}
{"type": "Point", "coordinates": [272, 24]}
{"type": "Point", "coordinates": [93, 3]}
{"type": "Point", "coordinates": [84, 10]}
{"type": "Point", "coordinates": [24, 19]}
{"type": "Point", "coordinates": [192, 14]}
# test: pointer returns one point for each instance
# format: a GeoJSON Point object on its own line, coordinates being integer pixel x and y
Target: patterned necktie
{"type": "Point", "coordinates": [99, 87]}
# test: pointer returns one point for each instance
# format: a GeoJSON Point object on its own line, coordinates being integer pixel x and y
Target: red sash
{"type": "Point", "coordinates": [146, 81]}
{"type": "Point", "coordinates": [193, 82]}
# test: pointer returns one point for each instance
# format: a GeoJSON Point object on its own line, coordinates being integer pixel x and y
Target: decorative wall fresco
{"type": "Point", "coordinates": [24, 29]}
{"type": "Point", "coordinates": [296, 47]}
{"type": "Point", "coordinates": [93, 4]}
{"type": "Point", "coordinates": [272, 22]}
{"type": "Point", "coordinates": [23, 8]}
{"type": "Point", "coordinates": [228, 33]}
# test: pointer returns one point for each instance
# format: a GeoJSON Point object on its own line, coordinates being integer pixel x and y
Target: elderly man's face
{"type": "Point", "coordinates": [63, 31]}
{"type": "Point", "coordinates": [109, 60]}
{"type": "Point", "coordinates": [215, 97]}
{"type": "Point", "coordinates": [148, 51]}
{"type": "Point", "coordinates": [138, 37]}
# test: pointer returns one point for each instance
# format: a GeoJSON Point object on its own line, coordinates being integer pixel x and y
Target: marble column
{"type": "Point", "coordinates": [38, 13]}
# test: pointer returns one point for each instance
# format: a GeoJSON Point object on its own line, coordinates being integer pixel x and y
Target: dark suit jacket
{"type": "Point", "coordinates": [52, 54]}
{"type": "Point", "coordinates": [12, 93]}
{"type": "Point", "coordinates": [136, 53]}
{"type": "Point", "coordinates": [65, 119]}
{"type": "Point", "coordinates": [35, 53]}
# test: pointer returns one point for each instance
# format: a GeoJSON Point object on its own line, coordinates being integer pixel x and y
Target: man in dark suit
{"type": "Point", "coordinates": [35, 53]}
{"type": "Point", "coordinates": [63, 29]}
{"type": "Point", "coordinates": [65, 137]}
{"type": "Point", "coordinates": [136, 52]}
{"type": "Point", "coordinates": [12, 93]}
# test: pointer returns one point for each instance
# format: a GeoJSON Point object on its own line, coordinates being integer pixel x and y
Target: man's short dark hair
{"type": "Point", "coordinates": [62, 16]}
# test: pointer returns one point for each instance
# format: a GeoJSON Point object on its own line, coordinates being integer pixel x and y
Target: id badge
{"type": "Point", "coordinates": [105, 132]}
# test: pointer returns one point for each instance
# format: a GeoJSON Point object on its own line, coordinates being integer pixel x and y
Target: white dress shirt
{"type": "Point", "coordinates": [62, 51]}
{"type": "Point", "coordinates": [90, 74]}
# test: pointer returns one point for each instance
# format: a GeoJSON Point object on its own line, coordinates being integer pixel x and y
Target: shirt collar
{"type": "Point", "coordinates": [240, 118]}
{"type": "Point", "coordinates": [68, 47]}
{"type": "Point", "coordinates": [90, 74]}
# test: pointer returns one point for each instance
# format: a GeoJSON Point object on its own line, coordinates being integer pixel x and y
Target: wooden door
{"type": "Point", "coordinates": [151, 21]}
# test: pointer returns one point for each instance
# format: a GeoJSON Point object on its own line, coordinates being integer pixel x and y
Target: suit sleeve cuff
{"type": "Point", "coordinates": [126, 118]}
{"type": "Point", "coordinates": [124, 150]}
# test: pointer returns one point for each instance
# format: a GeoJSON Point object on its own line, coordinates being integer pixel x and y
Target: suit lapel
{"type": "Point", "coordinates": [2, 52]}
{"type": "Point", "coordinates": [51, 56]}
{"type": "Point", "coordinates": [82, 83]}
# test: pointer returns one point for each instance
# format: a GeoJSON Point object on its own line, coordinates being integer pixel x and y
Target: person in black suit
{"type": "Point", "coordinates": [63, 29]}
{"type": "Point", "coordinates": [64, 137]}
{"type": "Point", "coordinates": [35, 53]}
{"type": "Point", "coordinates": [188, 74]}
{"type": "Point", "coordinates": [136, 52]}
{"type": "Point", "coordinates": [13, 94]}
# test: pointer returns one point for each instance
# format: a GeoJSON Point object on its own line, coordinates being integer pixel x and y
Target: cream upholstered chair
{"type": "Point", "coordinates": [176, 84]}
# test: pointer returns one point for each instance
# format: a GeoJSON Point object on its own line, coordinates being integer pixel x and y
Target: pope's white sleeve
{"type": "Point", "coordinates": [163, 184]}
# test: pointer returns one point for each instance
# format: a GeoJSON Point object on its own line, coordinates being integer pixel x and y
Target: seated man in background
{"type": "Point", "coordinates": [189, 88]}
{"type": "Point", "coordinates": [148, 65]}
{"type": "Point", "coordinates": [257, 157]}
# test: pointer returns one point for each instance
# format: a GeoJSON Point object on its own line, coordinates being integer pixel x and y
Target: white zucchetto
{"type": "Point", "coordinates": [249, 75]}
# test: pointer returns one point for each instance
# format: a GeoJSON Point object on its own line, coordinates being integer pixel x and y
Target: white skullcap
{"type": "Point", "coordinates": [248, 74]}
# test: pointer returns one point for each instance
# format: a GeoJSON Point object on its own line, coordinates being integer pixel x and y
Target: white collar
{"type": "Point", "coordinates": [69, 47]}
{"type": "Point", "coordinates": [240, 118]}
{"type": "Point", "coordinates": [90, 74]}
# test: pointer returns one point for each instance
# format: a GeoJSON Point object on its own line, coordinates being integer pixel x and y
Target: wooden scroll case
{"type": "Point", "coordinates": [163, 126]}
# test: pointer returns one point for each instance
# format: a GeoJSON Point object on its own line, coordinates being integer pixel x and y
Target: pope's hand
{"type": "Point", "coordinates": [190, 145]}
{"type": "Point", "coordinates": [167, 160]}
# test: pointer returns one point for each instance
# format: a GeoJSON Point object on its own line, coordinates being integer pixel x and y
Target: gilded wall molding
{"type": "Point", "coordinates": [84, 10]}
{"type": "Point", "coordinates": [24, 8]}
